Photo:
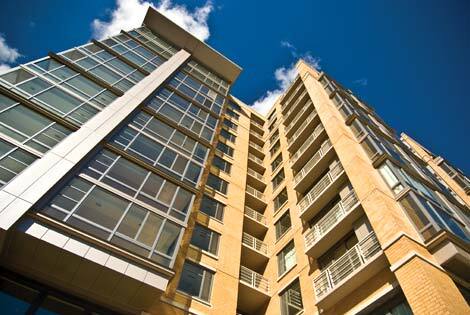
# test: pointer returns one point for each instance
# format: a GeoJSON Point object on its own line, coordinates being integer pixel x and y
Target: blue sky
{"type": "Point", "coordinates": [408, 60]}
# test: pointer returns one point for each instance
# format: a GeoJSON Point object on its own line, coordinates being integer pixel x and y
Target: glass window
{"type": "Point", "coordinates": [212, 208]}
{"type": "Point", "coordinates": [205, 239]}
{"type": "Point", "coordinates": [291, 299]}
{"type": "Point", "coordinates": [280, 199]}
{"type": "Point", "coordinates": [283, 225]}
{"type": "Point", "coordinates": [277, 161]}
{"type": "Point", "coordinates": [286, 258]}
{"type": "Point", "coordinates": [29, 127]}
{"type": "Point", "coordinates": [196, 281]}
{"type": "Point", "coordinates": [278, 179]}
{"type": "Point", "coordinates": [227, 135]}
{"type": "Point", "coordinates": [217, 183]}
{"type": "Point", "coordinates": [222, 147]}
{"type": "Point", "coordinates": [275, 148]}
{"type": "Point", "coordinates": [221, 164]}
{"type": "Point", "coordinates": [12, 161]}
{"type": "Point", "coordinates": [230, 124]}
{"type": "Point", "coordinates": [112, 218]}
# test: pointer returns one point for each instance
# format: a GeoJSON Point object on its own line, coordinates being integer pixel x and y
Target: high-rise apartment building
{"type": "Point", "coordinates": [132, 182]}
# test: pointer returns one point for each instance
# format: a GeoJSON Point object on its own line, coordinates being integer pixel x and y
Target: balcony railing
{"type": "Point", "coordinates": [298, 116]}
{"type": "Point", "coordinates": [255, 159]}
{"type": "Point", "coordinates": [307, 143]}
{"type": "Point", "coordinates": [320, 187]}
{"type": "Point", "coordinates": [256, 134]}
{"type": "Point", "coordinates": [254, 243]}
{"type": "Point", "coordinates": [256, 146]}
{"type": "Point", "coordinates": [254, 192]}
{"type": "Point", "coordinates": [255, 174]}
{"type": "Point", "coordinates": [255, 215]}
{"type": "Point", "coordinates": [294, 137]}
{"type": "Point", "coordinates": [253, 279]}
{"type": "Point", "coordinates": [294, 107]}
{"type": "Point", "coordinates": [325, 224]}
{"type": "Point", "coordinates": [256, 124]}
{"type": "Point", "coordinates": [328, 85]}
{"type": "Point", "coordinates": [325, 147]}
{"type": "Point", "coordinates": [291, 97]}
{"type": "Point", "coordinates": [346, 265]}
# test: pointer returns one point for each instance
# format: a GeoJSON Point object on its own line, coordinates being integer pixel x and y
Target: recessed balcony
{"type": "Point", "coordinates": [310, 145]}
{"type": "Point", "coordinates": [333, 226]}
{"type": "Point", "coordinates": [255, 163]}
{"type": "Point", "coordinates": [254, 223]}
{"type": "Point", "coordinates": [255, 198]}
{"type": "Point", "coordinates": [349, 271]}
{"type": "Point", "coordinates": [256, 149]}
{"type": "Point", "coordinates": [258, 127]}
{"type": "Point", "coordinates": [296, 107]}
{"type": "Point", "coordinates": [322, 192]}
{"type": "Point", "coordinates": [317, 163]}
{"type": "Point", "coordinates": [254, 251]}
{"type": "Point", "coordinates": [253, 291]}
{"type": "Point", "coordinates": [256, 137]}
{"type": "Point", "coordinates": [299, 118]}
{"type": "Point", "coordinates": [301, 134]}
{"type": "Point", "coordinates": [255, 179]}
{"type": "Point", "coordinates": [293, 92]}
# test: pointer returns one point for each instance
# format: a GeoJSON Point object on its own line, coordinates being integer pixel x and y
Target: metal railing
{"type": "Point", "coordinates": [320, 187]}
{"type": "Point", "coordinates": [334, 215]}
{"type": "Point", "coordinates": [254, 243]}
{"type": "Point", "coordinates": [256, 124]}
{"type": "Point", "coordinates": [294, 106]}
{"type": "Point", "coordinates": [255, 158]}
{"type": "Point", "coordinates": [298, 116]}
{"type": "Point", "coordinates": [325, 147]}
{"type": "Point", "coordinates": [256, 134]}
{"type": "Point", "coordinates": [294, 300]}
{"type": "Point", "coordinates": [296, 135]}
{"type": "Point", "coordinates": [346, 265]}
{"type": "Point", "coordinates": [292, 95]}
{"type": "Point", "coordinates": [307, 143]}
{"type": "Point", "coordinates": [255, 174]}
{"type": "Point", "coordinates": [253, 279]}
{"type": "Point", "coordinates": [255, 215]}
{"type": "Point", "coordinates": [256, 146]}
{"type": "Point", "coordinates": [254, 192]}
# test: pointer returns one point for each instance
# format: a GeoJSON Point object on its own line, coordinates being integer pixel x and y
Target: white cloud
{"type": "Point", "coordinates": [8, 55]}
{"type": "Point", "coordinates": [130, 14]}
{"type": "Point", "coordinates": [284, 77]}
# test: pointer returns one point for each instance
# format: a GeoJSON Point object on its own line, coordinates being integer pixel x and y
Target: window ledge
{"type": "Point", "coordinates": [279, 278]}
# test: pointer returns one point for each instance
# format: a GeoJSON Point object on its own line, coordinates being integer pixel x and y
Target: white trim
{"type": "Point", "coordinates": [405, 259]}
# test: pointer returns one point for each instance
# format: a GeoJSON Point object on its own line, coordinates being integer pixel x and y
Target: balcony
{"type": "Point", "coordinates": [296, 107]}
{"type": "Point", "coordinates": [322, 192]}
{"type": "Point", "coordinates": [310, 146]}
{"type": "Point", "coordinates": [256, 138]}
{"type": "Point", "coordinates": [301, 134]}
{"type": "Point", "coordinates": [255, 198]}
{"type": "Point", "coordinates": [297, 121]}
{"type": "Point", "coordinates": [256, 126]}
{"type": "Point", "coordinates": [349, 271]}
{"type": "Point", "coordinates": [253, 291]}
{"type": "Point", "coordinates": [294, 92]}
{"type": "Point", "coordinates": [333, 226]}
{"type": "Point", "coordinates": [255, 163]}
{"type": "Point", "coordinates": [256, 149]}
{"type": "Point", "coordinates": [255, 223]}
{"type": "Point", "coordinates": [317, 163]}
{"type": "Point", "coordinates": [254, 252]}
{"type": "Point", "coordinates": [255, 179]}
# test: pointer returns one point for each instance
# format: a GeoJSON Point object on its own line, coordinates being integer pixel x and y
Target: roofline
{"type": "Point", "coordinates": [201, 51]}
